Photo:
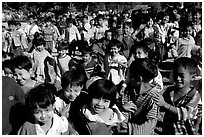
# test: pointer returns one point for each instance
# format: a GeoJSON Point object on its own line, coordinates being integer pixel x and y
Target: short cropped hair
{"type": "Point", "coordinates": [103, 88]}
{"type": "Point", "coordinates": [74, 77]}
{"type": "Point", "coordinates": [41, 96]}
{"type": "Point", "coordinates": [187, 63]}
{"type": "Point", "coordinates": [22, 62]}
{"type": "Point", "coordinates": [145, 68]}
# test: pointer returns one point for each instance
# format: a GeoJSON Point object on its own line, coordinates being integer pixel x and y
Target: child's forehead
{"type": "Point", "coordinates": [40, 108]}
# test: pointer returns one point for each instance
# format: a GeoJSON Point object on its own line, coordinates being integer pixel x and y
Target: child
{"type": "Point", "coordinates": [180, 102]}
{"type": "Point", "coordinates": [141, 50]}
{"type": "Point", "coordinates": [22, 69]}
{"type": "Point", "coordinates": [115, 63]}
{"type": "Point", "coordinates": [127, 40]}
{"type": "Point", "coordinates": [89, 63]}
{"type": "Point", "coordinates": [7, 68]}
{"type": "Point", "coordinates": [44, 121]}
{"type": "Point", "coordinates": [100, 28]}
{"type": "Point", "coordinates": [71, 33]}
{"type": "Point", "coordinates": [141, 98]}
{"type": "Point", "coordinates": [63, 58]}
{"type": "Point", "coordinates": [186, 43]}
{"type": "Point", "coordinates": [38, 56]}
{"type": "Point", "coordinates": [101, 106]}
{"type": "Point", "coordinates": [52, 73]}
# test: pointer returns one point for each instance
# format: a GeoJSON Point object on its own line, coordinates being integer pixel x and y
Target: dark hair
{"type": "Point", "coordinates": [22, 62]}
{"type": "Point", "coordinates": [185, 62]}
{"type": "Point", "coordinates": [87, 50]}
{"type": "Point", "coordinates": [145, 68]}
{"type": "Point", "coordinates": [74, 77]}
{"type": "Point", "coordinates": [103, 88]}
{"type": "Point", "coordinates": [11, 22]}
{"type": "Point", "coordinates": [140, 45]}
{"type": "Point", "coordinates": [115, 42]}
{"type": "Point", "coordinates": [129, 24]}
{"type": "Point", "coordinates": [7, 64]}
{"type": "Point", "coordinates": [53, 63]}
{"type": "Point", "coordinates": [42, 96]}
{"type": "Point", "coordinates": [62, 45]}
{"type": "Point", "coordinates": [39, 41]}
{"type": "Point", "coordinates": [69, 20]}
{"type": "Point", "coordinates": [18, 23]}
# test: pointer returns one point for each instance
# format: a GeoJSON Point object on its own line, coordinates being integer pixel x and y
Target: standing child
{"type": "Point", "coordinates": [22, 69]}
{"type": "Point", "coordinates": [101, 109]}
{"type": "Point", "coordinates": [38, 56]}
{"type": "Point", "coordinates": [63, 58]}
{"type": "Point", "coordinates": [180, 102]}
{"type": "Point", "coordinates": [186, 43]}
{"type": "Point", "coordinates": [115, 63]}
{"type": "Point", "coordinates": [89, 63]}
{"type": "Point", "coordinates": [44, 121]}
{"type": "Point", "coordinates": [142, 98]}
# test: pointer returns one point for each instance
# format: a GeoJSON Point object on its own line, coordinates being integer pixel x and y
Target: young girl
{"type": "Point", "coordinates": [115, 63]}
{"type": "Point", "coordinates": [38, 56]}
{"type": "Point", "coordinates": [43, 120]}
{"type": "Point", "coordinates": [101, 106]}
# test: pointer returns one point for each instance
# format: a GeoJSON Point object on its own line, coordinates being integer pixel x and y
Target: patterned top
{"type": "Point", "coordinates": [187, 108]}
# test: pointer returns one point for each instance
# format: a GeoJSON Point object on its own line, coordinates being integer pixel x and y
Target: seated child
{"type": "Point", "coordinates": [101, 106]}
{"type": "Point", "coordinates": [22, 69]}
{"type": "Point", "coordinates": [181, 101]}
{"type": "Point", "coordinates": [44, 121]}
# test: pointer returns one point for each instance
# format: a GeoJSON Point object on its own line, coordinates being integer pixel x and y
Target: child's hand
{"type": "Point", "coordinates": [161, 101]}
{"type": "Point", "coordinates": [130, 106]}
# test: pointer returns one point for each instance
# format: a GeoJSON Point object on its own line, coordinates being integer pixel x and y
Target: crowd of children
{"type": "Point", "coordinates": [100, 75]}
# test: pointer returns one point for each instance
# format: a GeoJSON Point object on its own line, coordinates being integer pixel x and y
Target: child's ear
{"type": "Point", "coordinates": [31, 71]}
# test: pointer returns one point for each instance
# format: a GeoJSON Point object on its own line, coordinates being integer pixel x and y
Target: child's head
{"type": "Point", "coordinates": [142, 70]}
{"type": "Point", "coordinates": [149, 21]}
{"type": "Point", "coordinates": [39, 101]}
{"type": "Point", "coordinates": [127, 27]}
{"type": "Point", "coordinates": [69, 22]}
{"type": "Point", "coordinates": [87, 54]}
{"type": "Point", "coordinates": [11, 24]}
{"type": "Point", "coordinates": [7, 68]}
{"type": "Point", "coordinates": [18, 24]}
{"type": "Point", "coordinates": [3, 28]}
{"type": "Point", "coordinates": [187, 30]}
{"type": "Point", "coordinates": [40, 43]}
{"type": "Point", "coordinates": [115, 46]}
{"type": "Point", "coordinates": [183, 71]}
{"type": "Point", "coordinates": [102, 95]}
{"type": "Point", "coordinates": [140, 50]}
{"type": "Point", "coordinates": [100, 20]}
{"type": "Point", "coordinates": [108, 34]}
{"type": "Point", "coordinates": [22, 68]}
{"type": "Point", "coordinates": [72, 83]}
{"type": "Point", "coordinates": [62, 48]}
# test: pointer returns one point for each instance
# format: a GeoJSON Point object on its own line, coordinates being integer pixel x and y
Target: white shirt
{"type": "Point", "coordinates": [59, 126]}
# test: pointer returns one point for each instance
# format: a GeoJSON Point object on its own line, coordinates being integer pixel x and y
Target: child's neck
{"type": "Point", "coordinates": [29, 83]}
{"type": "Point", "coordinates": [144, 87]}
{"type": "Point", "coordinates": [47, 126]}
{"type": "Point", "coordinates": [183, 91]}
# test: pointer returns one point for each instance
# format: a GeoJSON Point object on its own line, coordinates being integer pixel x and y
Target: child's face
{"type": "Point", "coordinates": [40, 47]}
{"type": "Point", "coordinates": [43, 115]}
{"type": "Point", "coordinates": [150, 22]}
{"type": "Point", "coordinates": [86, 57]}
{"type": "Point", "coordinates": [62, 52]}
{"type": "Point", "coordinates": [188, 32]}
{"type": "Point", "coordinates": [8, 72]}
{"type": "Point", "coordinates": [126, 29]}
{"type": "Point", "coordinates": [99, 105]}
{"type": "Point", "coordinates": [100, 21]}
{"type": "Point", "coordinates": [182, 78]}
{"type": "Point", "coordinates": [139, 53]}
{"type": "Point", "coordinates": [109, 35]}
{"type": "Point", "coordinates": [71, 93]}
{"type": "Point", "coordinates": [22, 76]}
{"type": "Point", "coordinates": [114, 50]}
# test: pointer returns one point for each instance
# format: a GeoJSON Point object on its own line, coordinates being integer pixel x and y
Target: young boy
{"type": "Point", "coordinates": [140, 100]}
{"type": "Point", "coordinates": [43, 121]}
{"type": "Point", "coordinates": [63, 58]}
{"type": "Point", "coordinates": [180, 102]}
{"type": "Point", "coordinates": [89, 63]}
{"type": "Point", "coordinates": [71, 97]}
{"type": "Point", "coordinates": [101, 28]}
{"type": "Point", "coordinates": [22, 69]}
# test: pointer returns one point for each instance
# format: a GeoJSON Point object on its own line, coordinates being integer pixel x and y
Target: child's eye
{"type": "Point", "coordinates": [106, 101]}
{"type": "Point", "coordinates": [36, 112]}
